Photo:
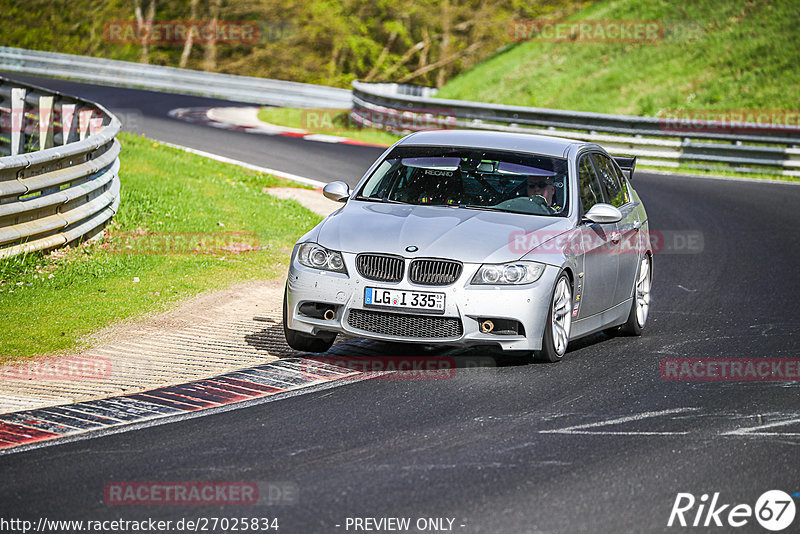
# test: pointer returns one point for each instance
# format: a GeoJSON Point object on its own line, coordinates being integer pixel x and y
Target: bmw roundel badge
{"type": "Point", "coordinates": [411, 248]}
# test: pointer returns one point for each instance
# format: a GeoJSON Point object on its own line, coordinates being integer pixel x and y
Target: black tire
{"type": "Point", "coordinates": [304, 342]}
{"type": "Point", "coordinates": [548, 354]}
{"type": "Point", "coordinates": [632, 326]}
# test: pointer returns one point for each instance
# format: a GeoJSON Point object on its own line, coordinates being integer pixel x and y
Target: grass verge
{"type": "Point", "coordinates": [186, 224]}
{"type": "Point", "coordinates": [718, 173]}
{"type": "Point", "coordinates": [734, 55]}
{"type": "Point", "coordinates": [326, 121]}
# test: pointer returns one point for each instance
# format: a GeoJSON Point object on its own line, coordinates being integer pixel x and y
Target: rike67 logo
{"type": "Point", "coordinates": [774, 510]}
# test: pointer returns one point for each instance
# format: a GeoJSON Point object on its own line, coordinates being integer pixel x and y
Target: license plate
{"type": "Point", "coordinates": [404, 300]}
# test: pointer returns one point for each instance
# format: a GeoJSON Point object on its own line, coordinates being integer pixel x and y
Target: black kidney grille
{"type": "Point", "coordinates": [403, 325]}
{"type": "Point", "coordinates": [434, 272]}
{"type": "Point", "coordinates": [380, 267]}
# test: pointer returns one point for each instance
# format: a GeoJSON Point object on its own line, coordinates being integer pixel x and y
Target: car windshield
{"type": "Point", "coordinates": [470, 179]}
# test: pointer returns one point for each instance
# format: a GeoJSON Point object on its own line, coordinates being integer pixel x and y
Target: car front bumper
{"type": "Point", "coordinates": [468, 304]}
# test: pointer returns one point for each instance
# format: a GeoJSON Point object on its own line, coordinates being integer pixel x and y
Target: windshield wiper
{"type": "Point", "coordinates": [476, 207]}
{"type": "Point", "coordinates": [502, 210]}
{"type": "Point", "coordinates": [384, 200]}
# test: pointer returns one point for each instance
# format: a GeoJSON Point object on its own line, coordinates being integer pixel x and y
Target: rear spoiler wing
{"type": "Point", "coordinates": [626, 164]}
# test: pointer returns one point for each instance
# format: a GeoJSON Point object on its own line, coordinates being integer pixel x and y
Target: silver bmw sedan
{"type": "Point", "coordinates": [471, 238]}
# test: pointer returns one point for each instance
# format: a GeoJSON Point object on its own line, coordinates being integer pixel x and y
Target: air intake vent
{"type": "Point", "coordinates": [405, 325]}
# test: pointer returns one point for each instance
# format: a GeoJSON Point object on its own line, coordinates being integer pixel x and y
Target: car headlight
{"type": "Point", "coordinates": [516, 273]}
{"type": "Point", "coordinates": [318, 257]}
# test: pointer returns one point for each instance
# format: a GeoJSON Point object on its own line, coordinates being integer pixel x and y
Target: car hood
{"type": "Point", "coordinates": [473, 236]}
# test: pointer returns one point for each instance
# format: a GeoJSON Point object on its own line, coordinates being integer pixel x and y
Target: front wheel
{"type": "Point", "coordinates": [640, 306]}
{"type": "Point", "coordinates": [559, 321]}
{"type": "Point", "coordinates": [304, 342]}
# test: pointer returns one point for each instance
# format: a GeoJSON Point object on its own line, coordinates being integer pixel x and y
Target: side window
{"type": "Point", "coordinates": [623, 181]}
{"type": "Point", "coordinates": [615, 194]}
{"type": "Point", "coordinates": [591, 193]}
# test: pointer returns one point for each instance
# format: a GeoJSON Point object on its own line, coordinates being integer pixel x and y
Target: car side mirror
{"type": "Point", "coordinates": [603, 214]}
{"type": "Point", "coordinates": [337, 191]}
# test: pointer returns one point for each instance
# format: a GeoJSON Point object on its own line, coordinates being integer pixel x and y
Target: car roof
{"type": "Point", "coordinates": [518, 142]}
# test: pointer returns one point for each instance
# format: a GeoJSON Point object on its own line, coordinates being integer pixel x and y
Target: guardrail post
{"type": "Point", "coordinates": [95, 125]}
{"type": "Point", "coordinates": [45, 122]}
{"type": "Point", "coordinates": [17, 120]}
{"type": "Point", "coordinates": [68, 130]}
{"type": "Point", "coordinates": [84, 116]}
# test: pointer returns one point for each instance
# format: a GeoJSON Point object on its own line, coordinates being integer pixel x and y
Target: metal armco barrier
{"type": "Point", "coordinates": [59, 165]}
{"type": "Point", "coordinates": [656, 141]}
{"type": "Point", "coordinates": [210, 84]}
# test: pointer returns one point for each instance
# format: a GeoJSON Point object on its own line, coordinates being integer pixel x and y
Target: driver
{"type": "Point", "coordinates": [542, 190]}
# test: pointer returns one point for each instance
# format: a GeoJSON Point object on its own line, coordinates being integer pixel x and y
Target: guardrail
{"type": "Point", "coordinates": [59, 165]}
{"type": "Point", "coordinates": [170, 79]}
{"type": "Point", "coordinates": [751, 148]}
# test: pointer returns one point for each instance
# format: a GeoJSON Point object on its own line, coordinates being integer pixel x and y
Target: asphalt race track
{"type": "Point", "coordinates": [599, 442]}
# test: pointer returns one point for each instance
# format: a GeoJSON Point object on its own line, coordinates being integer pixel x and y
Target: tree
{"type": "Point", "coordinates": [187, 46]}
{"type": "Point", "coordinates": [144, 27]}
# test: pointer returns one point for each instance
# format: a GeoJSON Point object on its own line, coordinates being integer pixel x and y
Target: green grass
{"type": "Point", "coordinates": [326, 121]}
{"type": "Point", "coordinates": [50, 302]}
{"type": "Point", "coordinates": [738, 54]}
